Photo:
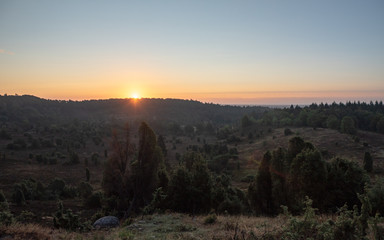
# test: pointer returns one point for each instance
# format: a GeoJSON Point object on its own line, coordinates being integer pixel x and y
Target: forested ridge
{"type": "Point", "coordinates": [31, 108]}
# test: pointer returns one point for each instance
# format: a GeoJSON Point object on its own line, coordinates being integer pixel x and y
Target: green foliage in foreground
{"type": "Point", "coordinates": [65, 218]}
{"type": "Point", "coordinates": [6, 217]}
{"type": "Point", "coordinates": [349, 224]}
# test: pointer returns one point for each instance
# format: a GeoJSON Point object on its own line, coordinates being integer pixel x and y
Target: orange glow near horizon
{"type": "Point", "coordinates": [137, 91]}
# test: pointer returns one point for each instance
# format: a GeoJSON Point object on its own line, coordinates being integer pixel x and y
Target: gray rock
{"type": "Point", "coordinates": [106, 222]}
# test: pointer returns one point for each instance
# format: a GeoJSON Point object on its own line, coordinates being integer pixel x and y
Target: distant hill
{"type": "Point", "coordinates": [30, 109]}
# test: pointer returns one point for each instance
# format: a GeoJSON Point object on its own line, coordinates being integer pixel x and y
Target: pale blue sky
{"type": "Point", "coordinates": [193, 49]}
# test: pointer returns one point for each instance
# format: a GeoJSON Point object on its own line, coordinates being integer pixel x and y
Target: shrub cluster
{"type": "Point", "coordinates": [286, 176]}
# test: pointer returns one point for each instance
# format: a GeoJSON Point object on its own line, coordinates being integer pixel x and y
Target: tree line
{"type": "Point", "coordinates": [347, 118]}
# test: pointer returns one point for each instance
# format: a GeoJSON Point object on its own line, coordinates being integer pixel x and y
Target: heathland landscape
{"type": "Point", "coordinates": [223, 172]}
{"type": "Point", "coordinates": [209, 120]}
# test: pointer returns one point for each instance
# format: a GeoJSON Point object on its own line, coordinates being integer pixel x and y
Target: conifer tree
{"type": "Point", "coordinates": [308, 177]}
{"type": "Point", "coordinates": [279, 174]}
{"type": "Point", "coordinates": [368, 162]}
{"type": "Point", "coordinates": [260, 191]}
{"type": "Point", "coordinates": [295, 146]}
{"type": "Point", "coordinates": [145, 168]}
{"type": "Point", "coordinates": [116, 178]}
{"type": "Point", "coordinates": [87, 174]}
{"type": "Point", "coordinates": [161, 144]}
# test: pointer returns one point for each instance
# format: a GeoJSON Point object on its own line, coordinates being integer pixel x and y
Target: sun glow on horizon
{"type": "Point", "coordinates": [135, 96]}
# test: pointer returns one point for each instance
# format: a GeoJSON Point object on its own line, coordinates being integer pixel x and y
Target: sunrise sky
{"type": "Point", "coordinates": [231, 52]}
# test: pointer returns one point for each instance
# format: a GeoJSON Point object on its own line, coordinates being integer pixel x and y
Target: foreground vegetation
{"type": "Point", "coordinates": [345, 225]}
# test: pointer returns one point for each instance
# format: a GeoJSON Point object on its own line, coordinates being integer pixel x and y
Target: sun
{"type": "Point", "coordinates": [135, 96]}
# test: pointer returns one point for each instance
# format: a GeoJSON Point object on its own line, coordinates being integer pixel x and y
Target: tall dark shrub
{"type": "Point", "coordinates": [368, 162]}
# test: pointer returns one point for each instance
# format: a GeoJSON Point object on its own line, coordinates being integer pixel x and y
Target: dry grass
{"type": "Point", "coordinates": [172, 226]}
{"type": "Point", "coordinates": [181, 226]}
{"type": "Point", "coordinates": [25, 231]}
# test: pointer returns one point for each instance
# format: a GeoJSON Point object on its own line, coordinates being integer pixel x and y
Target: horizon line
{"type": "Point", "coordinates": [315, 100]}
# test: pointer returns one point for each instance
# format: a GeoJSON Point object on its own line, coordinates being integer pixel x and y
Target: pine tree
{"type": "Point", "coordinates": [348, 125]}
{"type": "Point", "coordinates": [308, 177]}
{"type": "Point", "coordinates": [279, 174]}
{"type": "Point", "coordinates": [295, 146]}
{"type": "Point", "coordinates": [368, 162]}
{"type": "Point", "coordinates": [117, 173]}
{"type": "Point", "coordinates": [260, 191]}
{"type": "Point", "coordinates": [87, 174]}
{"type": "Point", "coordinates": [161, 144]}
{"type": "Point", "coordinates": [145, 167]}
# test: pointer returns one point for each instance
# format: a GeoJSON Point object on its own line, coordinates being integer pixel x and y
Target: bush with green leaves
{"type": "Point", "coordinates": [248, 178]}
{"type": "Point", "coordinates": [158, 202]}
{"type": "Point", "coordinates": [26, 216]}
{"type": "Point", "coordinates": [368, 162]}
{"type": "Point", "coordinates": [375, 194]}
{"type": "Point", "coordinates": [347, 224]}
{"type": "Point", "coordinates": [57, 186]}
{"type": "Point", "coordinates": [309, 226]}
{"type": "Point", "coordinates": [31, 189]}
{"type": "Point", "coordinates": [286, 176]}
{"type": "Point", "coordinates": [74, 158]}
{"type": "Point", "coordinates": [18, 195]}
{"type": "Point", "coordinates": [65, 218]}
{"type": "Point", "coordinates": [190, 185]}
{"type": "Point", "coordinates": [226, 198]}
{"type": "Point", "coordinates": [345, 180]}
{"type": "Point", "coordinates": [6, 217]}
{"type": "Point", "coordinates": [260, 190]}
{"type": "Point", "coordinates": [302, 227]}
{"type": "Point", "coordinates": [95, 159]}
{"type": "Point", "coordinates": [378, 231]}
{"type": "Point", "coordinates": [87, 174]}
{"type": "Point", "coordinates": [2, 197]}
{"type": "Point", "coordinates": [84, 189]}
{"type": "Point", "coordinates": [348, 125]}
{"type": "Point", "coordinates": [210, 219]}
{"type": "Point", "coordinates": [287, 132]}
{"type": "Point", "coordinates": [94, 200]}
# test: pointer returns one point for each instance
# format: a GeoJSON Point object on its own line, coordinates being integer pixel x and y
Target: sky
{"type": "Point", "coordinates": [228, 52]}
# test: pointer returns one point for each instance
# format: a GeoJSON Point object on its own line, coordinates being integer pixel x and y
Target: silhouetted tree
{"type": "Point", "coordinates": [190, 186]}
{"type": "Point", "coordinates": [333, 122]}
{"type": "Point", "coordinates": [368, 162]}
{"type": "Point", "coordinates": [345, 180]}
{"type": "Point", "coordinates": [87, 174]}
{"type": "Point", "coordinates": [161, 144]}
{"type": "Point", "coordinates": [260, 191]}
{"type": "Point", "coordinates": [295, 146]}
{"type": "Point", "coordinates": [246, 121]}
{"type": "Point", "coordinates": [380, 125]}
{"type": "Point", "coordinates": [145, 168]}
{"type": "Point", "coordinates": [376, 196]}
{"type": "Point", "coordinates": [117, 173]}
{"type": "Point", "coordinates": [308, 176]}
{"type": "Point", "coordinates": [348, 125]}
{"type": "Point", "coordinates": [278, 169]}
{"type": "Point", "coordinates": [201, 184]}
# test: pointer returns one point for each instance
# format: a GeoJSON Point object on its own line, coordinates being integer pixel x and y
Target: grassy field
{"type": "Point", "coordinates": [172, 226]}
